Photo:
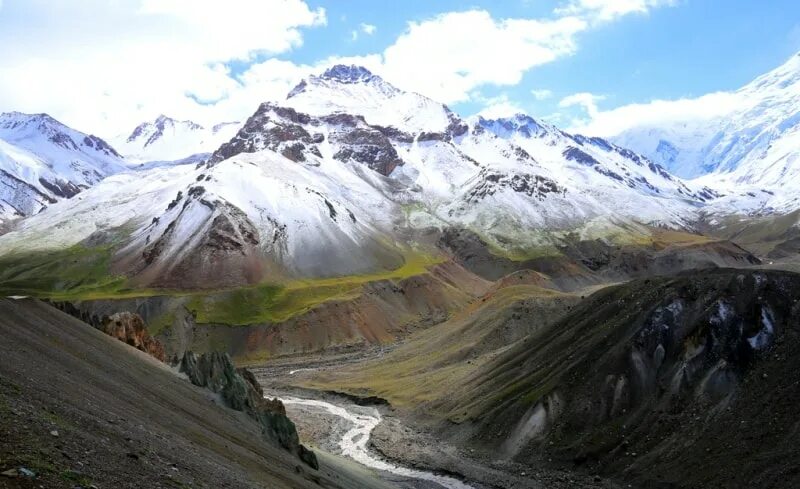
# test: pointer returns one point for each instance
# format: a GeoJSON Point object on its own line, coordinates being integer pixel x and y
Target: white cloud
{"type": "Point", "coordinates": [367, 29]}
{"type": "Point", "coordinates": [605, 10]}
{"type": "Point", "coordinates": [656, 113]}
{"type": "Point", "coordinates": [542, 94]}
{"type": "Point", "coordinates": [448, 56]}
{"type": "Point", "coordinates": [104, 67]}
{"type": "Point", "coordinates": [497, 107]}
{"type": "Point", "coordinates": [584, 99]}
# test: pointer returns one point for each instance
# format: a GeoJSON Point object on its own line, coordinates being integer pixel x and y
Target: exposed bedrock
{"type": "Point", "coordinates": [239, 390]}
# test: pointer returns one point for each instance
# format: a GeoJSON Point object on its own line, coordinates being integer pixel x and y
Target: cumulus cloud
{"type": "Point", "coordinates": [451, 54]}
{"type": "Point", "coordinates": [497, 107]}
{"type": "Point", "coordinates": [105, 66]}
{"type": "Point", "coordinates": [656, 113]}
{"type": "Point", "coordinates": [584, 99]}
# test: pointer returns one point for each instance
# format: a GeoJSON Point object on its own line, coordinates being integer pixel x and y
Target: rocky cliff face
{"type": "Point", "coordinates": [130, 328]}
{"type": "Point", "coordinates": [239, 390]}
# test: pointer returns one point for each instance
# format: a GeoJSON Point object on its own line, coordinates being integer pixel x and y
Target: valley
{"type": "Point", "coordinates": [357, 287]}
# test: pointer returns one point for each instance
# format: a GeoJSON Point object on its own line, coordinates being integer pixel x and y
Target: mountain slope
{"type": "Point", "coordinates": [683, 381]}
{"type": "Point", "coordinates": [167, 139]}
{"type": "Point", "coordinates": [352, 189]}
{"type": "Point", "coordinates": [43, 161]}
{"type": "Point", "coordinates": [123, 419]}
{"type": "Point", "coordinates": [752, 154]}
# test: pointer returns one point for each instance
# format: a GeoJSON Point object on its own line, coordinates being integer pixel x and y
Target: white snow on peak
{"type": "Point", "coordinates": [43, 160]}
{"type": "Point", "coordinates": [68, 152]}
{"type": "Point", "coordinates": [355, 90]}
{"type": "Point", "coordinates": [166, 139]}
{"type": "Point", "coordinates": [752, 154]}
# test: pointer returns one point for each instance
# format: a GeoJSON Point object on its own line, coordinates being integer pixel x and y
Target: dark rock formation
{"type": "Point", "coordinates": [368, 146]}
{"type": "Point", "coordinates": [60, 188]}
{"type": "Point", "coordinates": [272, 127]}
{"type": "Point", "coordinates": [240, 390]}
{"type": "Point", "coordinates": [580, 156]}
{"type": "Point", "coordinates": [491, 181]}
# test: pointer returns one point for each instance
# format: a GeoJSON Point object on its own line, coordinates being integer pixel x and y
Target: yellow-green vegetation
{"type": "Point", "coordinates": [160, 323]}
{"type": "Point", "coordinates": [77, 271]}
{"type": "Point", "coordinates": [426, 366]}
{"type": "Point", "coordinates": [76, 477]}
{"type": "Point", "coordinates": [83, 273]}
{"type": "Point", "coordinates": [545, 244]}
{"type": "Point", "coordinates": [276, 303]}
{"type": "Point", "coordinates": [522, 254]}
{"type": "Point", "coordinates": [759, 234]}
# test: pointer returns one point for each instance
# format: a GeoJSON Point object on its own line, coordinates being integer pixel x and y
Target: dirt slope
{"type": "Point", "coordinates": [80, 408]}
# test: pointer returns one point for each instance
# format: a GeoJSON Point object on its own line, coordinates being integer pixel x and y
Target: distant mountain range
{"type": "Point", "coordinates": [347, 173]}
{"type": "Point", "coordinates": [42, 161]}
{"type": "Point", "coordinates": [752, 154]}
{"type": "Point", "coordinates": [330, 182]}
{"type": "Point", "coordinates": [167, 139]}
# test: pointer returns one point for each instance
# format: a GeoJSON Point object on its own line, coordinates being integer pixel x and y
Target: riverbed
{"type": "Point", "coordinates": [353, 442]}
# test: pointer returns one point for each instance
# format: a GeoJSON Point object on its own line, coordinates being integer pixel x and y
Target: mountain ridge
{"type": "Point", "coordinates": [43, 161]}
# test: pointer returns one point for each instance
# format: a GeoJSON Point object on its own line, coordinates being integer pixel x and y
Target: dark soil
{"type": "Point", "coordinates": [81, 409]}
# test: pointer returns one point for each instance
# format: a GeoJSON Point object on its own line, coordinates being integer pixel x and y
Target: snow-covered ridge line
{"type": "Point", "coordinates": [751, 154]}
{"type": "Point", "coordinates": [333, 180]}
{"type": "Point", "coordinates": [167, 139]}
{"type": "Point", "coordinates": [43, 161]}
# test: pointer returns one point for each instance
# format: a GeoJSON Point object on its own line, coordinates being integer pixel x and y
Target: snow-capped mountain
{"type": "Point", "coordinates": [751, 154]}
{"type": "Point", "coordinates": [355, 90]}
{"type": "Point", "coordinates": [167, 139]}
{"type": "Point", "coordinates": [334, 180]}
{"type": "Point", "coordinates": [43, 161]}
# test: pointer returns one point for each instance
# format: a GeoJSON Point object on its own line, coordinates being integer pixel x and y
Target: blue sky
{"type": "Point", "coordinates": [106, 65]}
{"type": "Point", "coordinates": [686, 50]}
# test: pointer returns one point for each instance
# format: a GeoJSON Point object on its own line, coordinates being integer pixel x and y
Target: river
{"type": "Point", "coordinates": [354, 441]}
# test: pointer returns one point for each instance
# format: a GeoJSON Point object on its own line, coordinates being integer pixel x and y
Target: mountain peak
{"type": "Point", "coordinates": [17, 118]}
{"type": "Point", "coordinates": [520, 122]}
{"type": "Point", "coordinates": [163, 118]}
{"type": "Point", "coordinates": [348, 74]}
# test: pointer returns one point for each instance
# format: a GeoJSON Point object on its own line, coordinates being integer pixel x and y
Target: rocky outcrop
{"type": "Point", "coordinates": [367, 146]}
{"type": "Point", "coordinates": [279, 129]}
{"type": "Point", "coordinates": [125, 326]}
{"type": "Point", "coordinates": [491, 181]}
{"type": "Point", "coordinates": [239, 390]}
{"type": "Point", "coordinates": [130, 328]}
